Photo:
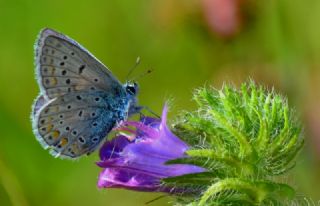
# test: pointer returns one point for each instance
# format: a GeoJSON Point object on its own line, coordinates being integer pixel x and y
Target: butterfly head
{"type": "Point", "coordinates": [132, 88]}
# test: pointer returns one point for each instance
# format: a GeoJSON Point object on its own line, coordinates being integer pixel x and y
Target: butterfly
{"type": "Point", "coordinates": [80, 100]}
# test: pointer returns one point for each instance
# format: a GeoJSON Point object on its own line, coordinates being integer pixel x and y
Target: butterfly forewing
{"type": "Point", "coordinates": [63, 66]}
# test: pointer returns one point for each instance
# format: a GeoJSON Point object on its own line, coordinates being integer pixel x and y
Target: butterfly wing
{"type": "Point", "coordinates": [75, 124]}
{"type": "Point", "coordinates": [64, 66]}
{"type": "Point", "coordinates": [80, 100]}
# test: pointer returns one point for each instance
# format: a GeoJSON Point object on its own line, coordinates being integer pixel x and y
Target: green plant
{"type": "Point", "coordinates": [244, 138]}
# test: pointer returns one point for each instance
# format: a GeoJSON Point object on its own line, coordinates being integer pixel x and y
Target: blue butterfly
{"type": "Point", "coordinates": [80, 99]}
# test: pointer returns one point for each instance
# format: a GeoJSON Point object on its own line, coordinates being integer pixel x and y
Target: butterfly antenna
{"type": "Point", "coordinates": [133, 68]}
{"type": "Point", "coordinates": [142, 75]}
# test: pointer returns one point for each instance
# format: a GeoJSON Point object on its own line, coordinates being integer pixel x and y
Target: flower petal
{"type": "Point", "coordinates": [113, 148]}
{"type": "Point", "coordinates": [124, 178]}
{"type": "Point", "coordinates": [140, 164]}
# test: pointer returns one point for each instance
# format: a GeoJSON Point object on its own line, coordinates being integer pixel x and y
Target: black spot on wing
{"type": "Point", "coordinates": [81, 68]}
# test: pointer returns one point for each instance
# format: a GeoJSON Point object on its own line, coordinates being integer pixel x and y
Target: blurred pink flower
{"type": "Point", "coordinates": [223, 16]}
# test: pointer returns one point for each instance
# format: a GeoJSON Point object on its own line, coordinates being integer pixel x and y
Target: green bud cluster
{"type": "Point", "coordinates": [244, 138]}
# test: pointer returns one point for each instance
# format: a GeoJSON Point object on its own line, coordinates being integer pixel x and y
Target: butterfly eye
{"type": "Point", "coordinates": [131, 90]}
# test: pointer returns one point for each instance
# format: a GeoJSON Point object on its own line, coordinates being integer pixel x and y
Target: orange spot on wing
{"type": "Point", "coordinates": [55, 134]}
{"type": "Point", "coordinates": [64, 141]}
{"type": "Point", "coordinates": [49, 127]}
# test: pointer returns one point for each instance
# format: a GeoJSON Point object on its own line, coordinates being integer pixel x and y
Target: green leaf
{"type": "Point", "coordinates": [204, 178]}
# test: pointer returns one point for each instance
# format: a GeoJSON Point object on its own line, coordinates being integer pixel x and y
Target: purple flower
{"type": "Point", "coordinates": [137, 161]}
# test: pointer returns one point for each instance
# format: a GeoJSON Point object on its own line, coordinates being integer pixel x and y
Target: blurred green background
{"type": "Point", "coordinates": [188, 43]}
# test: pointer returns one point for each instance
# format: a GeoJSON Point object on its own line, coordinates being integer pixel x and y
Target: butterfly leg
{"type": "Point", "coordinates": [134, 110]}
{"type": "Point", "coordinates": [138, 110]}
{"type": "Point", "coordinates": [150, 111]}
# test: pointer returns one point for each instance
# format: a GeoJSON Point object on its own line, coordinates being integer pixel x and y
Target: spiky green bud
{"type": "Point", "coordinates": [244, 138]}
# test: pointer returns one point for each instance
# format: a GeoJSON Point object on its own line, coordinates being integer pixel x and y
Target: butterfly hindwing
{"type": "Point", "coordinates": [63, 66]}
{"type": "Point", "coordinates": [75, 124]}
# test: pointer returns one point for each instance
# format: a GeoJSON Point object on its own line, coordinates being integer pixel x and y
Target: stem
{"type": "Point", "coordinates": [12, 186]}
